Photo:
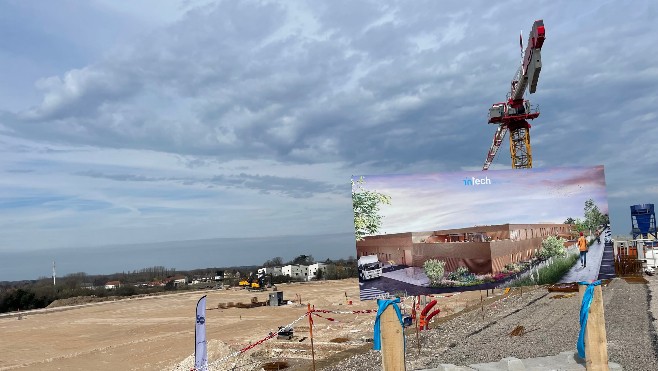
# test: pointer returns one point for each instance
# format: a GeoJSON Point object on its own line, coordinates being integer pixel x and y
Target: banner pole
{"type": "Point", "coordinates": [200, 345]}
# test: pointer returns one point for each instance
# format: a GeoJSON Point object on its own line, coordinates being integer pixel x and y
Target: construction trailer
{"type": "Point", "coordinates": [276, 298]}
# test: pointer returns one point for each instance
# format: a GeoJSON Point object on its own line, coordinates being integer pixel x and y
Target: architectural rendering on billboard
{"type": "Point", "coordinates": [472, 230]}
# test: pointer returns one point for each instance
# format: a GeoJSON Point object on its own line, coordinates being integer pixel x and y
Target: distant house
{"type": "Point", "coordinates": [87, 285]}
{"type": "Point", "coordinates": [313, 270]}
{"type": "Point", "coordinates": [179, 280]}
{"type": "Point", "coordinates": [112, 285]}
{"type": "Point", "coordinates": [295, 271]}
{"type": "Point", "coordinates": [229, 274]}
{"type": "Point", "coordinates": [198, 279]}
{"type": "Point", "coordinates": [274, 271]}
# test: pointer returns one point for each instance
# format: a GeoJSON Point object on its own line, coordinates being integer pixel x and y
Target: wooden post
{"type": "Point", "coordinates": [392, 338]}
{"type": "Point", "coordinates": [596, 346]}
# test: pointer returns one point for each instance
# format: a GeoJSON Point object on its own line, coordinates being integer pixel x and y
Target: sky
{"type": "Point", "coordinates": [430, 202]}
{"type": "Point", "coordinates": [176, 120]}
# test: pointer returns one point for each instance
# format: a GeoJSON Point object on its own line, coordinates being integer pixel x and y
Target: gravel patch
{"type": "Point", "coordinates": [550, 326]}
{"type": "Point", "coordinates": [629, 328]}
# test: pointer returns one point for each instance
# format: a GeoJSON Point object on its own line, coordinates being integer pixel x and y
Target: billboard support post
{"type": "Point", "coordinates": [596, 348]}
{"type": "Point", "coordinates": [392, 341]}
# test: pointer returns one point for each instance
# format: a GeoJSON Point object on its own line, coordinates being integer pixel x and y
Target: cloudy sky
{"type": "Point", "coordinates": [429, 202]}
{"type": "Point", "coordinates": [164, 120]}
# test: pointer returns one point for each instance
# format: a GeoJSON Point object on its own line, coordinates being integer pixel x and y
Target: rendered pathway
{"type": "Point", "coordinates": [589, 273]}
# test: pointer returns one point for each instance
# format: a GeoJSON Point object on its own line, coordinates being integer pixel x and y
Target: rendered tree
{"type": "Point", "coordinates": [366, 203]}
{"type": "Point", "coordinates": [434, 270]}
{"type": "Point", "coordinates": [552, 246]}
{"type": "Point", "coordinates": [594, 218]}
{"type": "Point", "coordinates": [580, 225]}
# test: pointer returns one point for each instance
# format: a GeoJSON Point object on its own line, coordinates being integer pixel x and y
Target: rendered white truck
{"type": "Point", "coordinates": [369, 267]}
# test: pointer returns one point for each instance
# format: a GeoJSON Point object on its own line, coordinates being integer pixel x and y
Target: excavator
{"type": "Point", "coordinates": [253, 283]}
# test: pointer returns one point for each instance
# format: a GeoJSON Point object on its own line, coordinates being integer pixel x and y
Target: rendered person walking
{"type": "Point", "coordinates": [582, 246]}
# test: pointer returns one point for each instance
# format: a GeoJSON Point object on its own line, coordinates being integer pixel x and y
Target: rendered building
{"type": "Point", "coordinates": [482, 249]}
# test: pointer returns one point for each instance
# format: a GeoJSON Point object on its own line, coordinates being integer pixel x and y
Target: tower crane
{"type": "Point", "coordinates": [514, 114]}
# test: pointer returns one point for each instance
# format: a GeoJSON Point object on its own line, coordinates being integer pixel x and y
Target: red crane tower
{"type": "Point", "coordinates": [514, 114]}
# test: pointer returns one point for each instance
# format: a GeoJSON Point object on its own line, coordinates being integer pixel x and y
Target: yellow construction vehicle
{"type": "Point", "coordinates": [257, 284]}
{"type": "Point", "coordinates": [244, 283]}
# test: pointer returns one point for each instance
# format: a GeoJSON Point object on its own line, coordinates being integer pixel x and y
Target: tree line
{"type": "Point", "coordinates": [593, 219]}
{"type": "Point", "coordinates": [35, 294]}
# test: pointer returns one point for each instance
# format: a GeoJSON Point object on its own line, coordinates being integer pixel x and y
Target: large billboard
{"type": "Point", "coordinates": [420, 234]}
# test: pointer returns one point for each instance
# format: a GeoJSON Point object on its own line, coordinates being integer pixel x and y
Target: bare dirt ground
{"type": "Point", "coordinates": [157, 333]}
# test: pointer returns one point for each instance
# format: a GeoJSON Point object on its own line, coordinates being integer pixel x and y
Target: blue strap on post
{"type": "Point", "coordinates": [584, 313]}
{"type": "Point", "coordinates": [383, 304]}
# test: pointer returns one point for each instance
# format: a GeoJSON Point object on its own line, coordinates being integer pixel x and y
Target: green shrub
{"type": "Point", "coordinates": [126, 290]}
{"type": "Point", "coordinates": [552, 247]}
{"type": "Point", "coordinates": [512, 268]}
{"type": "Point", "coordinates": [462, 274]}
{"type": "Point", "coordinates": [434, 270]}
{"type": "Point", "coordinates": [552, 273]}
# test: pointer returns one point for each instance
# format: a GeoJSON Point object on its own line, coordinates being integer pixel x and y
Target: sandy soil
{"type": "Point", "coordinates": [157, 333]}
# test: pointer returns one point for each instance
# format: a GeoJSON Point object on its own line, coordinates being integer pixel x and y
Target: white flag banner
{"type": "Point", "coordinates": [201, 350]}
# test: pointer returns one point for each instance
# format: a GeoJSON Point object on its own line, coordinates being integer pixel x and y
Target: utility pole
{"type": "Point", "coordinates": [54, 274]}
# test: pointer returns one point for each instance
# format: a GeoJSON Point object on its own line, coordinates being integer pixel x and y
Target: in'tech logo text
{"type": "Point", "coordinates": [477, 181]}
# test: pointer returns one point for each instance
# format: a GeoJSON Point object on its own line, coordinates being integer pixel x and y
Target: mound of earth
{"type": "Point", "coordinates": [79, 300]}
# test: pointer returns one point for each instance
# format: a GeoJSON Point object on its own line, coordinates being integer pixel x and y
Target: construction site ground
{"type": "Point", "coordinates": [157, 333]}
